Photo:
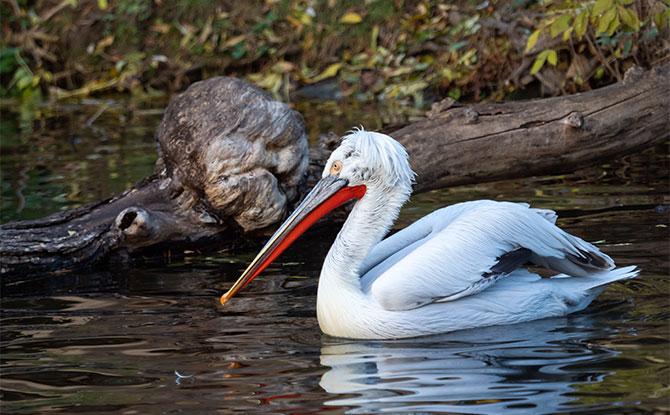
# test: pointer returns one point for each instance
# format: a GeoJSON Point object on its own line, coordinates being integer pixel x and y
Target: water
{"type": "Point", "coordinates": [113, 341]}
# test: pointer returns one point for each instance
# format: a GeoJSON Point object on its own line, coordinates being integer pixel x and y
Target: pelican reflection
{"type": "Point", "coordinates": [527, 368]}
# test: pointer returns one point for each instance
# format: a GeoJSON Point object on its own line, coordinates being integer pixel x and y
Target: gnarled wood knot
{"type": "Point", "coordinates": [471, 116]}
{"type": "Point", "coordinates": [574, 120]}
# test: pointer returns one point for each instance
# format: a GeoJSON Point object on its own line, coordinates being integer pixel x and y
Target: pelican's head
{"type": "Point", "coordinates": [370, 159]}
{"type": "Point", "coordinates": [365, 160]}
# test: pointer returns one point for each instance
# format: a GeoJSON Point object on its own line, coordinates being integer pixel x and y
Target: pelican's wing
{"type": "Point", "coordinates": [469, 247]}
{"type": "Point", "coordinates": [397, 246]}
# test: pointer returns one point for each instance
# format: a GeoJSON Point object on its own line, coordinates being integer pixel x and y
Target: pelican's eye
{"type": "Point", "coordinates": [336, 167]}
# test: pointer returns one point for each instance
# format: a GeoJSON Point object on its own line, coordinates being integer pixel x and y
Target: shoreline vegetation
{"type": "Point", "coordinates": [415, 52]}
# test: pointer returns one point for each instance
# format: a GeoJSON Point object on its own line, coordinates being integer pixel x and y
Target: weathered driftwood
{"type": "Point", "coordinates": [232, 161]}
{"type": "Point", "coordinates": [489, 142]}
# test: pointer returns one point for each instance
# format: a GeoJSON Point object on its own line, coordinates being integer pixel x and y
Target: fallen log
{"type": "Point", "coordinates": [232, 162]}
{"type": "Point", "coordinates": [487, 142]}
{"type": "Point", "coordinates": [456, 145]}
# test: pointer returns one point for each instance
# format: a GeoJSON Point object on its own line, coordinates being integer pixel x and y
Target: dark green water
{"type": "Point", "coordinates": [110, 341]}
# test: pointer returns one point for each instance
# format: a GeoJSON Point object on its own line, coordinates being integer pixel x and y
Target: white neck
{"type": "Point", "coordinates": [369, 221]}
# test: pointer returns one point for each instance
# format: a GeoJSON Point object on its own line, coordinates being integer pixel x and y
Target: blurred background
{"type": "Point", "coordinates": [415, 51]}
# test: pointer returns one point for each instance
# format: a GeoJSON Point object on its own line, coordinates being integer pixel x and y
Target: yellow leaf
{"type": "Point", "coordinates": [305, 19]}
{"type": "Point", "coordinates": [532, 40]}
{"type": "Point", "coordinates": [329, 72]}
{"type": "Point", "coordinates": [46, 75]}
{"type": "Point", "coordinates": [233, 41]}
{"type": "Point", "coordinates": [271, 36]}
{"type": "Point", "coordinates": [373, 37]}
{"type": "Point", "coordinates": [636, 20]}
{"type": "Point", "coordinates": [391, 91]}
{"type": "Point", "coordinates": [552, 57]}
{"type": "Point", "coordinates": [659, 21]}
{"type": "Point", "coordinates": [623, 14]}
{"type": "Point", "coordinates": [308, 41]}
{"type": "Point", "coordinates": [566, 34]}
{"type": "Point", "coordinates": [161, 28]}
{"type": "Point", "coordinates": [629, 17]}
{"type": "Point", "coordinates": [580, 24]}
{"type": "Point", "coordinates": [605, 21]}
{"type": "Point", "coordinates": [449, 74]}
{"type": "Point", "coordinates": [537, 65]}
{"type": "Point", "coordinates": [539, 61]}
{"type": "Point", "coordinates": [351, 18]}
{"type": "Point", "coordinates": [295, 22]}
{"type": "Point", "coordinates": [270, 81]}
{"type": "Point", "coordinates": [403, 70]}
{"type": "Point", "coordinates": [187, 38]}
{"type": "Point", "coordinates": [599, 7]}
{"type": "Point", "coordinates": [613, 25]}
{"type": "Point", "coordinates": [560, 25]}
{"type": "Point", "coordinates": [283, 67]}
{"type": "Point", "coordinates": [106, 42]}
{"type": "Point", "coordinates": [102, 4]}
{"type": "Point", "coordinates": [415, 87]}
{"type": "Point", "coordinates": [466, 59]}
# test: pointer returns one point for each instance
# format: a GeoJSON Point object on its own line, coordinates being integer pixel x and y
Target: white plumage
{"type": "Point", "coordinates": [454, 269]}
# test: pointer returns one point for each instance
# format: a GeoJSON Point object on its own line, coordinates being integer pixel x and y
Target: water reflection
{"type": "Point", "coordinates": [520, 369]}
{"type": "Point", "coordinates": [119, 353]}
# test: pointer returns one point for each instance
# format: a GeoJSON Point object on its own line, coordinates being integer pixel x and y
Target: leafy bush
{"type": "Point", "coordinates": [611, 28]}
{"type": "Point", "coordinates": [414, 50]}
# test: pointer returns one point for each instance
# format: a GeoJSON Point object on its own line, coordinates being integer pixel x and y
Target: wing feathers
{"type": "Point", "coordinates": [469, 247]}
{"type": "Point", "coordinates": [506, 264]}
{"type": "Point", "coordinates": [509, 261]}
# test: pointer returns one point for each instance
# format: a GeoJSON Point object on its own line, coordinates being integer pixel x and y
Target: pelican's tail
{"type": "Point", "coordinates": [591, 286]}
{"type": "Point", "coordinates": [617, 274]}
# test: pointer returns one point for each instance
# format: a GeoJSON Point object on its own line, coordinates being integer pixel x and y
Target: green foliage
{"type": "Point", "coordinates": [403, 50]}
{"type": "Point", "coordinates": [609, 27]}
{"type": "Point", "coordinates": [23, 82]}
{"type": "Point", "coordinates": [547, 55]}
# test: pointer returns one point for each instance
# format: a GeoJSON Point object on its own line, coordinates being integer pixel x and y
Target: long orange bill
{"type": "Point", "coordinates": [329, 193]}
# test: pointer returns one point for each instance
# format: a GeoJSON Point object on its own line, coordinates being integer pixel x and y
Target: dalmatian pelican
{"type": "Point", "coordinates": [456, 268]}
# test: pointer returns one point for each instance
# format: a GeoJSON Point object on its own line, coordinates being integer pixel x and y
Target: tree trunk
{"type": "Point", "coordinates": [233, 162]}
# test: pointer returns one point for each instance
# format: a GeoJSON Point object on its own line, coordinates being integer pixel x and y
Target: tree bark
{"type": "Point", "coordinates": [233, 162]}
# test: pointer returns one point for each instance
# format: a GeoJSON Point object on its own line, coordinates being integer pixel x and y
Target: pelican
{"type": "Point", "coordinates": [456, 268]}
